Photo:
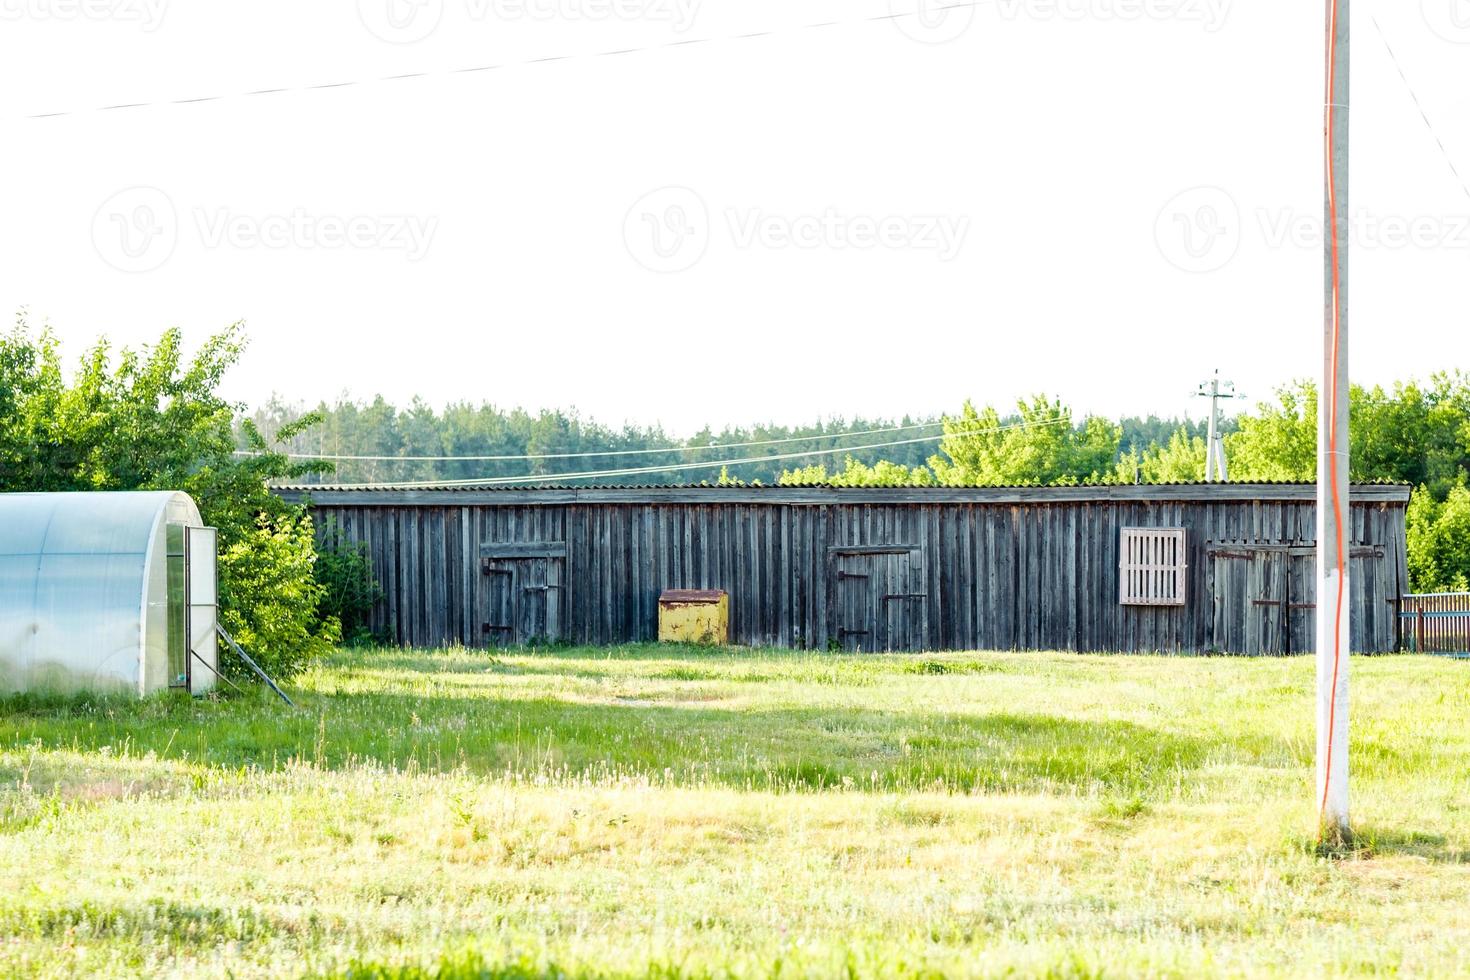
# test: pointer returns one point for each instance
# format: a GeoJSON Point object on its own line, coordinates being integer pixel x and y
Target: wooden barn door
{"type": "Point", "coordinates": [879, 600]}
{"type": "Point", "coordinates": [1301, 595]}
{"type": "Point", "coordinates": [1364, 563]}
{"type": "Point", "coordinates": [1248, 591]}
{"type": "Point", "coordinates": [1265, 596]}
{"type": "Point", "coordinates": [521, 600]}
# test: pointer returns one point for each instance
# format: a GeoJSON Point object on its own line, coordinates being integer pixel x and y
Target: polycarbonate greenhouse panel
{"type": "Point", "coordinates": [202, 550]}
{"type": "Point", "coordinates": [83, 589]}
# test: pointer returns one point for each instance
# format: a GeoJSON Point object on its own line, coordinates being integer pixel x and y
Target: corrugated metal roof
{"type": "Point", "coordinates": [605, 487]}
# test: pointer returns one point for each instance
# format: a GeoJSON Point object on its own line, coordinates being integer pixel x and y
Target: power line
{"type": "Point", "coordinates": [598, 453]}
{"type": "Point", "coordinates": [646, 470]}
{"type": "Point", "coordinates": [523, 63]}
{"type": "Point", "coordinates": [1420, 106]}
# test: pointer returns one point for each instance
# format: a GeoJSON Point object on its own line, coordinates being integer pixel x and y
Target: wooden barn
{"type": "Point", "coordinates": [1173, 568]}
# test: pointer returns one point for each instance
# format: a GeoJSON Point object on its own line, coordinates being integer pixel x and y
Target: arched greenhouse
{"type": "Point", "coordinates": [109, 592]}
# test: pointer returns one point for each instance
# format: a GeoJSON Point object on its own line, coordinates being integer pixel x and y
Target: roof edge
{"type": "Point", "coordinates": [816, 495]}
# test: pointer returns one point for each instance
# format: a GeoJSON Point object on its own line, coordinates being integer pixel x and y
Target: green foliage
{"type": "Point", "coordinates": [856, 474]}
{"type": "Point", "coordinates": [270, 598]}
{"type": "Point", "coordinates": [1182, 460]}
{"type": "Point", "coordinates": [1439, 541]}
{"type": "Point", "coordinates": [1042, 446]}
{"type": "Point", "coordinates": [345, 572]}
{"type": "Point", "coordinates": [150, 420]}
{"type": "Point", "coordinates": [1412, 434]}
{"type": "Point", "coordinates": [1281, 442]}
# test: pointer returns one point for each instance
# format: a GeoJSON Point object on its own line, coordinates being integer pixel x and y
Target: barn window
{"type": "Point", "coordinates": [1151, 566]}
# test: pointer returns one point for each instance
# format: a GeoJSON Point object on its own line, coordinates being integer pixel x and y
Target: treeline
{"type": "Point", "coordinates": [1412, 433]}
{"type": "Point", "coordinates": [397, 444]}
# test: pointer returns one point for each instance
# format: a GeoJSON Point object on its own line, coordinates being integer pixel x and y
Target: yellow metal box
{"type": "Point", "coordinates": [694, 616]}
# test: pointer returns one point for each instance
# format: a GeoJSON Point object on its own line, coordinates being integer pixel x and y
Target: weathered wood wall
{"type": "Point", "coordinates": [865, 568]}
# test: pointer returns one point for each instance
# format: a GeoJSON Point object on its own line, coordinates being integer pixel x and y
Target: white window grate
{"type": "Point", "coordinates": [1151, 566]}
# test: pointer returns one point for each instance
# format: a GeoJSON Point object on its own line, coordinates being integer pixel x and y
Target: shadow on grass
{"type": "Point", "coordinates": [776, 748]}
{"type": "Point", "coordinates": [1374, 842]}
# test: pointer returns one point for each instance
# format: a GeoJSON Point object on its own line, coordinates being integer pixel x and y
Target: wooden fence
{"type": "Point", "coordinates": [1436, 623]}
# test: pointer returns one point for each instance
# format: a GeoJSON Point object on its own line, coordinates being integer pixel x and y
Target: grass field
{"type": "Point", "coordinates": [668, 812]}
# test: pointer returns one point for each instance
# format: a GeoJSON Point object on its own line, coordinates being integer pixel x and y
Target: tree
{"type": "Point", "coordinates": [149, 420]}
{"type": "Point", "coordinates": [1181, 461]}
{"type": "Point", "coordinates": [1439, 541]}
{"type": "Point", "coordinates": [1040, 445]}
{"type": "Point", "coordinates": [1281, 442]}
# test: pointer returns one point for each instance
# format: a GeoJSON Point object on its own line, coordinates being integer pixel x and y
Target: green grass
{"type": "Point", "coordinates": [653, 811]}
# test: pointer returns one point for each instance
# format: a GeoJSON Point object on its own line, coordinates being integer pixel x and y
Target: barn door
{"type": "Point", "coordinates": [1363, 561]}
{"type": "Point", "coordinates": [1249, 598]}
{"type": "Point", "coordinates": [1301, 595]}
{"type": "Point", "coordinates": [498, 602]}
{"type": "Point", "coordinates": [879, 600]}
{"type": "Point", "coordinates": [854, 587]}
{"type": "Point", "coordinates": [539, 617]}
{"type": "Point", "coordinates": [1266, 624]}
{"type": "Point", "coordinates": [521, 600]}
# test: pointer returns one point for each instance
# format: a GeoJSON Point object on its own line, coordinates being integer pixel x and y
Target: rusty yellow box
{"type": "Point", "coordinates": [694, 616]}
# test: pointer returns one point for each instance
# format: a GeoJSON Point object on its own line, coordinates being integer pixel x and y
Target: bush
{"type": "Point", "coordinates": [349, 590]}
{"type": "Point", "coordinates": [269, 597]}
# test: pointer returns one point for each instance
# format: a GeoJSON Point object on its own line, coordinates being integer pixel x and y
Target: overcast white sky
{"type": "Point", "coordinates": [1105, 199]}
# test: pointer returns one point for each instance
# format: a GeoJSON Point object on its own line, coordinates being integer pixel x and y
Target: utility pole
{"type": "Point", "coordinates": [1334, 630]}
{"type": "Point", "coordinates": [1215, 389]}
